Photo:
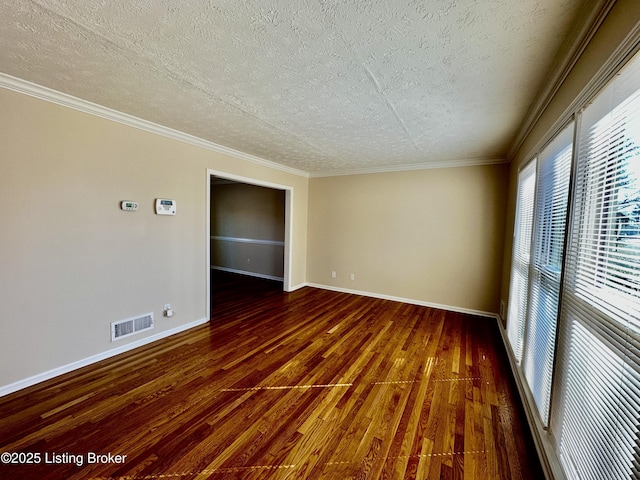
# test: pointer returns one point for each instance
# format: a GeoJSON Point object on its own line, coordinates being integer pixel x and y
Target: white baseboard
{"type": "Point", "coordinates": [421, 303]}
{"type": "Point", "coordinates": [27, 382]}
{"type": "Point", "coordinates": [41, 377]}
{"type": "Point", "coordinates": [250, 274]}
{"type": "Point", "coordinates": [297, 287]}
{"type": "Point", "coordinates": [544, 447]}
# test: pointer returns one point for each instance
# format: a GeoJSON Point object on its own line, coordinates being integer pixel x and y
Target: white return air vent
{"type": "Point", "coordinates": [131, 326]}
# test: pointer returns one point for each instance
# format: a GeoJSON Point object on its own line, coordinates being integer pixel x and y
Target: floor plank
{"type": "Point", "coordinates": [305, 385]}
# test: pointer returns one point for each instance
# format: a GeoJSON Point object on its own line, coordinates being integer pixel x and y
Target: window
{"type": "Point", "coordinates": [607, 274]}
{"type": "Point", "coordinates": [541, 212]}
{"type": "Point", "coordinates": [516, 314]}
{"type": "Point", "coordinates": [595, 416]}
{"type": "Point", "coordinates": [574, 311]}
{"type": "Point", "coordinates": [550, 214]}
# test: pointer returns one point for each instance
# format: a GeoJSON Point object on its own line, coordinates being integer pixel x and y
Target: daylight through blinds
{"type": "Point", "coordinates": [520, 262]}
{"type": "Point", "coordinates": [596, 411]}
{"type": "Point", "coordinates": [550, 214]}
{"type": "Point", "coordinates": [574, 306]}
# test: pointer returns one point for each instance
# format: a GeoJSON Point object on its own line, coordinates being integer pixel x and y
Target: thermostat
{"type": "Point", "coordinates": [129, 206]}
{"type": "Point", "coordinates": [165, 206]}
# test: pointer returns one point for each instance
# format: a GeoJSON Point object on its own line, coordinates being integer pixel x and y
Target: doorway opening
{"type": "Point", "coordinates": [249, 232]}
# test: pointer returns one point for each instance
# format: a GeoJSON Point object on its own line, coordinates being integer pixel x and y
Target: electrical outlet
{"type": "Point", "coordinates": [352, 276]}
{"type": "Point", "coordinates": [333, 274]}
{"type": "Point", "coordinates": [167, 306]}
{"type": "Point", "coordinates": [248, 261]}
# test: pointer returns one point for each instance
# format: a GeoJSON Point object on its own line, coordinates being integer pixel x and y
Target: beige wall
{"type": "Point", "coordinates": [72, 262]}
{"type": "Point", "coordinates": [623, 17]}
{"type": "Point", "coordinates": [432, 236]}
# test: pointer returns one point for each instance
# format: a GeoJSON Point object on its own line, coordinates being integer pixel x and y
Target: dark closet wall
{"type": "Point", "coordinates": [247, 228]}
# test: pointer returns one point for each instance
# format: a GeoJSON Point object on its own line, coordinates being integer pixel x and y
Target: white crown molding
{"type": "Point", "coordinates": [471, 162]}
{"type": "Point", "coordinates": [575, 45]}
{"type": "Point", "coordinates": [43, 93]}
{"type": "Point", "coordinates": [629, 47]}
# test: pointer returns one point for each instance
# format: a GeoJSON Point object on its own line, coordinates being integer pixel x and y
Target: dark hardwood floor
{"type": "Point", "coordinates": [305, 385]}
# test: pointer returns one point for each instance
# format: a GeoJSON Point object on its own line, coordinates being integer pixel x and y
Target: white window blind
{"type": "Point", "coordinates": [550, 213]}
{"type": "Point", "coordinates": [595, 413]}
{"type": "Point", "coordinates": [517, 310]}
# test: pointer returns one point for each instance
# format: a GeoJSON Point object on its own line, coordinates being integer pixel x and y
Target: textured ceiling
{"type": "Point", "coordinates": [322, 86]}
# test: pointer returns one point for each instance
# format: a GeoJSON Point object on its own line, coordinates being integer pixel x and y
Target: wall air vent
{"type": "Point", "coordinates": [131, 326]}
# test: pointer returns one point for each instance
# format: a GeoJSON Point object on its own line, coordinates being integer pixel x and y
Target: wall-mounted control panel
{"type": "Point", "coordinates": [129, 206]}
{"type": "Point", "coordinates": [164, 206]}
